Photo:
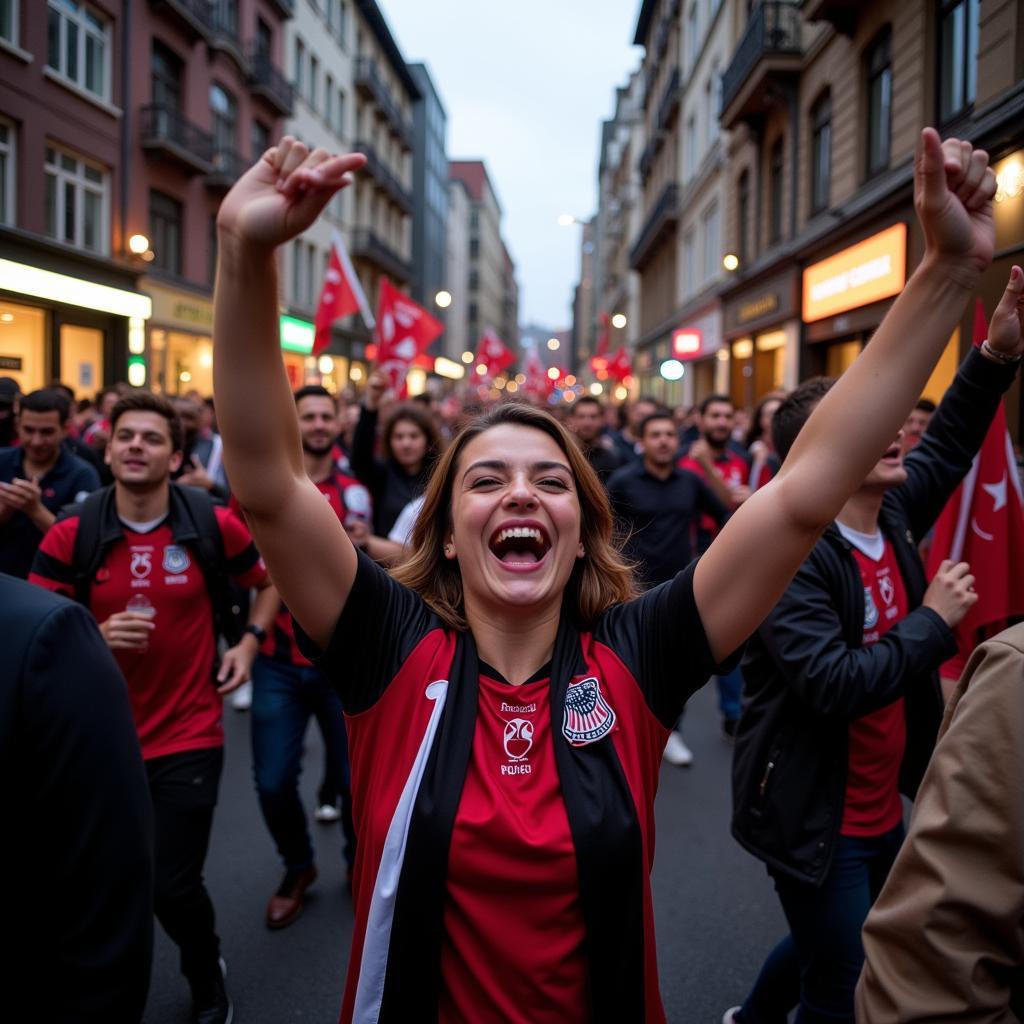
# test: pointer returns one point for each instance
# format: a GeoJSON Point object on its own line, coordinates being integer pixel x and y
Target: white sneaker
{"type": "Point", "coordinates": [241, 699]}
{"type": "Point", "coordinates": [730, 1016]}
{"type": "Point", "coordinates": [327, 813]}
{"type": "Point", "coordinates": [677, 752]}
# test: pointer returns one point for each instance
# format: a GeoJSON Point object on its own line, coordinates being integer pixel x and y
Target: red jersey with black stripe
{"type": "Point", "coordinates": [173, 693]}
{"type": "Point", "coordinates": [513, 947]}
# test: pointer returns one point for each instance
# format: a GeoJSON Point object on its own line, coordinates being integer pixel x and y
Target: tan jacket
{"type": "Point", "coordinates": [945, 941]}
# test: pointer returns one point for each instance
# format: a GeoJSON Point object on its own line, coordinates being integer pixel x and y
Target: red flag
{"type": "Point", "coordinates": [621, 366]}
{"type": "Point", "coordinates": [537, 383]}
{"type": "Point", "coordinates": [404, 331]}
{"type": "Point", "coordinates": [341, 294]}
{"type": "Point", "coordinates": [603, 339]}
{"type": "Point", "coordinates": [983, 525]}
{"type": "Point", "coordinates": [494, 354]}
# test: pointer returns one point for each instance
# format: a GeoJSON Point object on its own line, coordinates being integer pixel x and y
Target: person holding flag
{"type": "Point", "coordinates": [841, 691]}
{"type": "Point", "coordinates": [508, 695]}
{"type": "Point", "coordinates": [983, 524]}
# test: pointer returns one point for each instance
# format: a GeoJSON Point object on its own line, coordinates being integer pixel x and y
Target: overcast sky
{"type": "Point", "coordinates": [525, 86]}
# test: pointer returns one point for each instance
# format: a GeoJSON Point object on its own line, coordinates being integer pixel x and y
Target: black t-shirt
{"type": "Point", "coordinates": [660, 517]}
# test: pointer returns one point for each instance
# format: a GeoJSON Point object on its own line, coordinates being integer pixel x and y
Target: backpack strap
{"type": "Point", "coordinates": [97, 530]}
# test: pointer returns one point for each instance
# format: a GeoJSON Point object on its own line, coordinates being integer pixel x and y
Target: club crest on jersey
{"type": "Point", "coordinates": [870, 609]}
{"type": "Point", "coordinates": [887, 589]}
{"type": "Point", "coordinates": [141, 564]}
{"type": "Point", "coordinates": [176, 559]}
{"type": "Point", "coordinates": [518, 738]}
{"type": "Point", "coordinates": [588, 717]}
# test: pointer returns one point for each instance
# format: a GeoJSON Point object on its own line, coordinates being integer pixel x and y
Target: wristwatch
{"type": "Point", "coordinates": [257, 631]}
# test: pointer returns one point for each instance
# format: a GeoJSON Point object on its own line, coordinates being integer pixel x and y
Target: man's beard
{"type": "Point", "coordinates": [317, 453]}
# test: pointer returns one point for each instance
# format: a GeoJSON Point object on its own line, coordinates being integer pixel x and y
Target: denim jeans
{"type": "Point", "coordinates": [730, 689]}
{"type": "Point", "coordinates": [817, 965]}
{"type": "Point", "coordinates": [284, 698]}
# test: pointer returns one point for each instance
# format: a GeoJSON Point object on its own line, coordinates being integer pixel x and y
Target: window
{"type": "Point", "coordinates": [329, 95]}
{"type": "Point", "coordinates": [821, 153]}
{"type": "Point", "coordinates": [314, 82]}
{"type": "Point", "coordinates": [264, 39]}
{"type": "Point", "coordinates": [776, 166]}
{"type": "Point", "coordinates": [78, 46]}
{"type": "Point", "coordinates": [690, 148]}
{"type": "Point", "coordinates": [343, 22]}
{"type": "Point", "coordinates": [474, 280]}
{"type": "Point", "coordinates": [689, 266]}
{"type": "Point", "coordinates": [297, 272]}
{"type": "Point", "coordinates": [692, 36]}
{"type": "Point", "coordinates": [743, 214]}
{"type": "Point", "coordinates": [712, 242]}
{"type": "Point", "coordinates": [224, 112]}
{"type": "Point", "coordinates": [711, 108]}
{"type": "Point", "coordinates": [76, 202]}
{"type": "Point", "coordinates": [878, 65]}
{"type": "Point", "coordinates": [299, 72]}
{"type": "Point", "coordinates": [474, 313]}
{"type": "Point", "coordinates": [958, 56]}
{"type": "Point", "coordinates": [260, 139]}
{"type": "Point", "coordinates": [341, 112]}
{"type": "Point", "coordinates": [225, 16]}
{"type": "Point", "coordinates": [9, 20]}
{"type": "Point", "coordinates": [165, 71]}
{"type": "Point", "coordinates": [165, 232]}
{"type": "Point", "coordinates": [7, 163]}
{"type": "Point", "coordinates": [474, 248]}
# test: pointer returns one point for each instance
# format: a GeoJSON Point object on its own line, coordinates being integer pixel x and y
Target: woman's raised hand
{"type": "Point", "coordinates": [284, 192]}
{"type": "Point", "coordinates": [953, 192]}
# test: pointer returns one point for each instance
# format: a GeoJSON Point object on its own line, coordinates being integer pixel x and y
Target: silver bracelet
{"type": "Point", "coordinates": [1004, 359]}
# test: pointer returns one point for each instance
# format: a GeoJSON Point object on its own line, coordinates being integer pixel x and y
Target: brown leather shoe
{"type": "Point", "coordinates": [286, 904]}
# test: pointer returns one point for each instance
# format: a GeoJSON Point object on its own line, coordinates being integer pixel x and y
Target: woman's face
{"type": "Point", "coordinates": [408, 445]}
{"type": "Point", "coordinates": [515, 519]}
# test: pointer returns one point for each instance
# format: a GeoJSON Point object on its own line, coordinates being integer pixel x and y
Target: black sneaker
{"type": "Point", "coordinates": [212, 1005]}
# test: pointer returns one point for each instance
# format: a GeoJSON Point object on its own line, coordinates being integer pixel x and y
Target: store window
{"type": "Point", "coordinates": [77, 204]}
{"type": "Point", "coordinates": [7, 166]}
{"type": "Point", "coordinates": [9, 21]}
{"type": "Point", "coordinates": [958, 56]}
{"type": "Point", "coordinates": [23, 350]}
{"type": "Point", "coordinates": [821, 153]}
{"type": "Point", "coordinates": [181, 362]}
{"type": "Point", "coordinates": [78, 46]}
{"type": "Point", "coordinates": [878, 68]}
{"type": "Point", "coordinates": [165, 232]}
{"type": "Point", "coordinates": [776, 166]}
{"type": "Point", "coordinates": [81, 359]}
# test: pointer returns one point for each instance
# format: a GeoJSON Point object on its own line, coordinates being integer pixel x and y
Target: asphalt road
{"type": "Point", "coordinates": [715, 909]}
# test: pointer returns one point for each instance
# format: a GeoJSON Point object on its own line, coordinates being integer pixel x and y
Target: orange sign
{"type": "Point", "coordinates": [867, 272]}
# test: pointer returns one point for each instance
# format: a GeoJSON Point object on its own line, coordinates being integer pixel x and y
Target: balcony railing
{"type": "Point", "coordinates": [669, 100]}
{"type": "Point", "coordinates": [664, 213]}
{"type": "Point", "coordinates": [773, 30]}
{"type": "Point", "coordinates": [383, 176]}
{"type": "Point", "coordinates": [371, 83]}
{"type": "Point", "coordinates": [368, 246]}
{"type": "Point", "coordinates": [266, 80]}
{"type": "Point", "coordinates": [194, 15]}
{"type": "Point", "coordinates": [227, 166]}
{"type": "Point", "coordinates": [165, 130]}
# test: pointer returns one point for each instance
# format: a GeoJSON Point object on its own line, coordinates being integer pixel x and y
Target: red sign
{"type": "Point", "coordinates": [687, 343]}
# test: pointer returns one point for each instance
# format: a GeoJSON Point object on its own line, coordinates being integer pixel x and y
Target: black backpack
{"type": "Point", "coordinates": [205, 542]}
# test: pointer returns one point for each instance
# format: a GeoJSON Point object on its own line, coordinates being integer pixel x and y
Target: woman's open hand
{"type": "Point", "coordinates": [284, 192]}
{"type": "Point", "coordinates": [953, 192]}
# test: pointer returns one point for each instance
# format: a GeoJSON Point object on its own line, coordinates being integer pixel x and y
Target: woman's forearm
{"type": "Point", "coordinates": [255, 408]}
{"type": "Point", "coordinates": [862, 414]}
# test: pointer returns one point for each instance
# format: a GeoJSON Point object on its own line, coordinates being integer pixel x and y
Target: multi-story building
{"type": "Point", "coordinates": [68, 288]}
{"type": "Point", "coordinates": [677, 249]}
{"type": "Point", "coordinates": [457, 341]}
{"type": "Point", "coordinates": [583, 340]}
{"type": "Point", "coordinates": [490, 297]}
{"type": "Point", "coordinates": [430, 197]}
{"type": "Point", "coordinates": [825, 101]}
{"type": "Point", "coordinates": [209, 97]}
{"type": "Point", "coordinates": [509, 327]}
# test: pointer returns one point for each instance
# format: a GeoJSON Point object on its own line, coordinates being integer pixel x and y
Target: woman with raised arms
{"type": "Point", "coordinates": [508, 695]}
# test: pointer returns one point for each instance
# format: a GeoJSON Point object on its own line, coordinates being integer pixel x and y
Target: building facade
{"type": "Point", "coordinates": [457, 342]}
{"type": "Point", "coordinates": [69, 298]}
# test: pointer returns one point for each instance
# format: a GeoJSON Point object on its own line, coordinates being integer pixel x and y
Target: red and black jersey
{"type": "Point", "coordinates": [171, 686]}
{"type": "Point", "coordinates": [507, 832]}
{"type": "Point", "coordinates": [734, 469]}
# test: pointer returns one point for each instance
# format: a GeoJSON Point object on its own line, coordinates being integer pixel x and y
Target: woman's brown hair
{"type": "Point", "coordinates": [600, 579]}
{"type": "Point", "coordinates": [420, 418]}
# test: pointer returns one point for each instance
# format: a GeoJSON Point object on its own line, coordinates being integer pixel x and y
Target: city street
{"type": "Point", "coordinates": [715, 909]}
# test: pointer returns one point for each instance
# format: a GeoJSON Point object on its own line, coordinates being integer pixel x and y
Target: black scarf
{"type": "Point", "coordinates": [605, 831]}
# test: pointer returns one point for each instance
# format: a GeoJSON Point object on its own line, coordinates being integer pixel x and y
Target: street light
{"type": "Point", "coordinates": [468, 357]}
{"type": "Point", "coordinates": [566, 220]}
{"type": "Point", "coordinates": [731, 261]}
{"type": "Point", "coordinates": [443, 299]}
{"type": "Point", "coordinates": [619, 320]}
{"type": "Point", "coordinates": [138, 245]}
{"type": "Point", "coordinates": [554, 344]}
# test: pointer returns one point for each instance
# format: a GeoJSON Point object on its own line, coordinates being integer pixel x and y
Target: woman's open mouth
{"type": "Point", "coordinates": [520, 547]}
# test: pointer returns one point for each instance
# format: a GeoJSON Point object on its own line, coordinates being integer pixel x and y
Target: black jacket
{"type": "Point", "coordinates": [806, 675]}
{"type": "Point", "coordinates": [77, 853]}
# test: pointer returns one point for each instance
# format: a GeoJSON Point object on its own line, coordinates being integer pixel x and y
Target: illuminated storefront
{"type": "Point", "coordinates": [180, 341]}
{"type": "Point", "coordinates": [762, 335]}
{"type": "Point", "coordinates": [55, 325]}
